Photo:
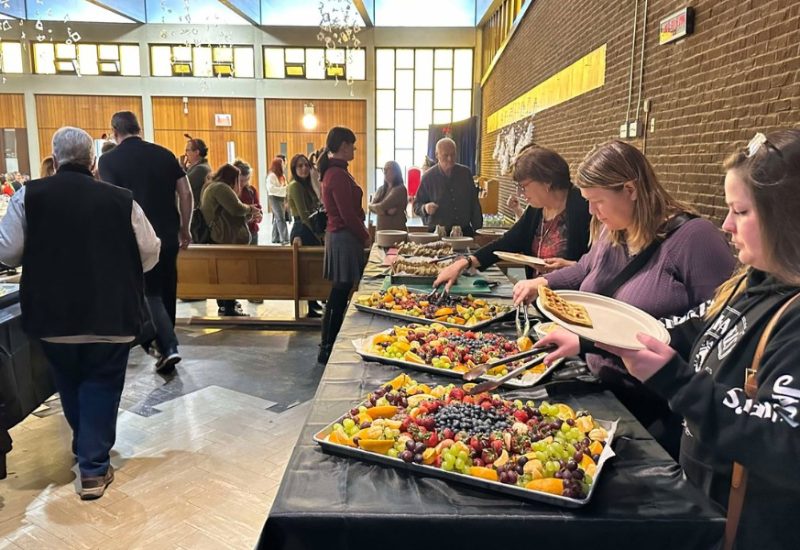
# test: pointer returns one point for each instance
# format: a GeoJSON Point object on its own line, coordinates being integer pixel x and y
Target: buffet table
{"type": "Point", "coordinates": [325, 501]}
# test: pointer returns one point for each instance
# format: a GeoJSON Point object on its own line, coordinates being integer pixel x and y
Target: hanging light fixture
{"type": "Point", "coordinates": [309, 118]}
{"type": "Point", "coordinates": [338, 29]}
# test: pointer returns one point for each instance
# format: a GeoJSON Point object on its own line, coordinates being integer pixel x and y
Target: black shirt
{"type": "Point", "coordinates": [456, 196]}
{"type": "Point", "coordinates": [150, 172]}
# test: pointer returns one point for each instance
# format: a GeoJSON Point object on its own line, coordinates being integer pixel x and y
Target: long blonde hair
{"type": "Point", "coordinates": [612, 165]}
{"type": "Point", "coordinates": [771, 174]}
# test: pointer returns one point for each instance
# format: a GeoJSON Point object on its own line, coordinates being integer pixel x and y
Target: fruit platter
{"type": "Point", "coordinates": [536, 451]}
{"type": "Point", "coordinates": [401, 302]}
{"type": "Point", "coordinates": [452, 352]}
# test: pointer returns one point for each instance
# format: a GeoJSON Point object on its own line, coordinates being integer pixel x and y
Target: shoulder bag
{"type": "Point", "coordinates": [639, 261]}
{"type": "Point", "coordinates": [739, 477]}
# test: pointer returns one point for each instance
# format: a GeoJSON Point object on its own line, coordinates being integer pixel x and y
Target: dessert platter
{"type": "Point", "coordinates": [542, 452]}
{"type": "Point", "coordinates": [401, 302]}
{"type": "Point", "coordinates": [436, 249]}
{"type": "Point", "coordinates": [454, 351]}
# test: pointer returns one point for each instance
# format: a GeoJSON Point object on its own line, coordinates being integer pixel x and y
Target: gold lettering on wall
{"type": "Point", "coordinates": [586, 74]}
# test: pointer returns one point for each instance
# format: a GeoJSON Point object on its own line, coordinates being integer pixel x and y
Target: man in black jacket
{"type": "Point", "coordinates": [155, 177]}
{"type": "Point", "coordinates": [84, 247]}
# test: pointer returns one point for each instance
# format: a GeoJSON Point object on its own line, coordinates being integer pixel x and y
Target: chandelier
{"type": "Point", "coordinates": [338, 31]}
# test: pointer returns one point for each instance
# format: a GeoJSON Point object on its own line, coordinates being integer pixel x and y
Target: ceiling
{"type": "Point", "coordinates": [380, 13]}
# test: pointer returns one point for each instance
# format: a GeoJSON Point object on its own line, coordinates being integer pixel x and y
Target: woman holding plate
{"type": "Point", "coordinates": [554, 227]}
{"type": "Point", "coordinates": [742, 408]}
{"type": "Point", "coordinates": [682, 259]}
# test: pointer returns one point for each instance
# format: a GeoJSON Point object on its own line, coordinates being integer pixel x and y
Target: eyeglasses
{"type": "Point", "coordinates": [765, 173]}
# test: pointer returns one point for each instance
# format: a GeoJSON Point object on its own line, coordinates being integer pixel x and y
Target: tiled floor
{"type": "Point", "coordinates": [199, 456]}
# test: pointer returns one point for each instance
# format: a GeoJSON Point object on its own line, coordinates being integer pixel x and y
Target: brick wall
{"type": "Point", "coordinates": [737, 74]}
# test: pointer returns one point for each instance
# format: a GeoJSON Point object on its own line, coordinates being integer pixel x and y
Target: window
{"type": "Point", "coordinates": [202, 61]}
{"type": "Point", "coordinates": [10, 57]}
{"type": "Point", "coordinates": [86, 59]}
{"type": "Point", "coordinates": [314, 63]}
{"type": "Point", "coordinates": [417, 88]}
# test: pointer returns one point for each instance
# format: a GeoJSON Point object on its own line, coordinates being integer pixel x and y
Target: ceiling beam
{"type": "Point", "coordinates": [361, 6]}
{"type": "Point", "coordinates": [246, 9]}
{"type": "Point", "coordinates": [132, 9]}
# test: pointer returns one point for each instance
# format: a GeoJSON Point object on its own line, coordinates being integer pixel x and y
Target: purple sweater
{"type": "Point", "coordinates": [684, 272]}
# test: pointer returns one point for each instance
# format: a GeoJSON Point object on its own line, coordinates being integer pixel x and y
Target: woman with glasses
{"type": "Point", "coordinates": [687, 258]}
{"type": "Point", "coordinates": [554, 227]}
{"type": "Point", "coordinates": [742, 425]}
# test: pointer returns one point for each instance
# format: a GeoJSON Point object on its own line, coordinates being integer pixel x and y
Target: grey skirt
{"type": "Point", "coordinates": [344, 257]}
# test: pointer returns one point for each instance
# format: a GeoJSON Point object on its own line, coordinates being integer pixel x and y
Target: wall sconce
{"type": "Point", "coordinates": [185, 105]}
{"type": "Point", "coordinates": [309, 118]}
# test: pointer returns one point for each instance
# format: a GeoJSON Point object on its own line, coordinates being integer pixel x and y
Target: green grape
{"type": "Point", "coordinates": [463, 456]}
{"type": "Point", "coordinates": [541, 456]}
{"type": "Point", "coordinates": [459, 464]}
{"type": "Point", "coordinates": [449, 459]}
{"type": "Point", "coordinates": [448, 466]}
{"type": "Point", "coordinates": [348, 423]}
{"type": "Point", "coordinates": [362, 409]}
{"type": "Point", "coordinates": [338, 426]}
{"type": "Point", "coordinates": [564, 427]}
{"type": "Point", "coordinates": [587, 479]}
{"type": "Point", "coordinates": [552, 466]}
{"type": "Point", "coordinates": [393, 452]}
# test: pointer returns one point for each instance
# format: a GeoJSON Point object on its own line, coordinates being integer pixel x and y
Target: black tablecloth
{"type": "Point", "coordinates": [327, 501]}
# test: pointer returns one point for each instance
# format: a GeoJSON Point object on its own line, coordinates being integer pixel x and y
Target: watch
{"type": "Point", "coordinates": [469, 260]}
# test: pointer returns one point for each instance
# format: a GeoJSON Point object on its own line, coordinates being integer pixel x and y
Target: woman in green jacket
{"type": "Point", "coordinates": [227, 217]}
{"type": "Point", "coordinates": [302, 202]}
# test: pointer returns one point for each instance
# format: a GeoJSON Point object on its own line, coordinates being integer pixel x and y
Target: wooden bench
{"type": "Point", "coordinates": [230, 272]}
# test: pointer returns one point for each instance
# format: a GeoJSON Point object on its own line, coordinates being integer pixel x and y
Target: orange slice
{"type": "Point", "coordinates": [399, 381]}
{"type": "Point", "coordinates": [524, 343]}
{"type": "Point", "coordinates": [381, 446]}
{"type": "Point", "coordinates": [595, 448]}
{"type": "Point", "coordinates": [385, 411]}
{"type": "Point", "coordinates": [373, 432]}
{"type": "Point", "coordinates": [586, 462]}
{"type": "Point", "coordinates": [338, 436]}
{"type": "Point", "coordinates": [565, 412]}
{"type": "Point", "coordinates": [482, 472]}
{"type": "Point", "coordinates": [546, 485]}
{"type": "Point", "coordinates": [413, 358]}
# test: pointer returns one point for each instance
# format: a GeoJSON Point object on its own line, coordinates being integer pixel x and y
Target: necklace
{"type": "Point", "coordinates": [544, 232]}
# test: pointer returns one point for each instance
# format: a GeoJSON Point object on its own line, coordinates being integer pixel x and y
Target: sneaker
{"type": "Point", "coordinates": [234, 313]}
{"type": "Point", "coordinates": [167, 363]}
{"type": "Point", "coordinates": [94, 487]}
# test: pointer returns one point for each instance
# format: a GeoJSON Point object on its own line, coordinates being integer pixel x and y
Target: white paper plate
{"type": "Point", "coordinates": [522, 259]}
{"type": "Point", "coordinates": [614, 323]}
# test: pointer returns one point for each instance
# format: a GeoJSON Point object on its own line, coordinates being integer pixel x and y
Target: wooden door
{"type": "Point", "coordinates": [170, 124]}
{"type": "Point", "coordinates": [284, 125]}
{"type": "Point", "coordinates": [91, 113]}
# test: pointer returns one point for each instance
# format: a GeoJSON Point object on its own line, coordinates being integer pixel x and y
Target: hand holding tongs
{"type": "Point", "coordinates": [481, 369]}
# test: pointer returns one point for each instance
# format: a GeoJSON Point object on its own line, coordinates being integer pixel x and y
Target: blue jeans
{"type": "Point", "coordinates": [165, 328]}
{"type": "Point", "coordinates": [89, 379]}
{"type": "Point", "coordinates": [280, 233]}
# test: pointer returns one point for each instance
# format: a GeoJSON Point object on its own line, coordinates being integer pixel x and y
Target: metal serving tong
{"type": "Point", "coordinates": [523, 330]}
{"type": "Point", "coordinates": [437, 297]}
{"type": "Point", "coordinates": [490, 385]}
{"type": "Point", "coordinates": [481, 369]}
{"type": "Point", "coordinates": [444, 258]}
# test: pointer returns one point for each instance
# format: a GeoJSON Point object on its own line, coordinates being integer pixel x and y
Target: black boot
{"type": "Point", "coordinates": [326, 345]}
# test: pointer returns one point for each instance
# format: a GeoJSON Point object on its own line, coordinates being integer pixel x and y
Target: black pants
{"type": "Point", "coordinates": [160, 288]}
{"type": "Point", "coordinates": [334, 313]}
{"type": "Point", "coordinates": [89, 379]}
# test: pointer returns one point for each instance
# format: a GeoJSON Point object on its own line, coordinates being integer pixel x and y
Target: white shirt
{"type": "Point", "coordinates": [274, 187]}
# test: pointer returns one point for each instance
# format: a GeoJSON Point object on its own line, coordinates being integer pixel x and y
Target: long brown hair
{"type": "Point", "coordinates": [771, 174]}
{"type": "Point", "coordinates": [612, 165]}
{"type": "Point", "coordinates": [277, 168]}
{"type": "Point", "coordinates": [227, 174]}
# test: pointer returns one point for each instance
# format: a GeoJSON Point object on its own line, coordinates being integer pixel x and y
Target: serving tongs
{"type": "Point", "coordinates": [481, 369]}
{"type": "Point", "coordinates": [436, 297]}
{"type": "Point", "coordinates": [443, 258]}
{"type": "Point", "coordinates": [523, 330]}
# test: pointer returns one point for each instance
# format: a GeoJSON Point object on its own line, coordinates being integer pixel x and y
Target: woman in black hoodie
{"type": "Point", "coordinates": [554, 227]}
{"type": "Point", "coordinates": [703, 374]}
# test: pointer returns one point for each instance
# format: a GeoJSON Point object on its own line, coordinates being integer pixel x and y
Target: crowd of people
{"type": "Point", "coordinates": [722, 398]}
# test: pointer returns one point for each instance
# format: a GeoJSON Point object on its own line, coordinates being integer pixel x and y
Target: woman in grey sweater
{"type": "Point", "coordinates": [391, 199]}
{"type": "Point", "coordinates": [630, 210]}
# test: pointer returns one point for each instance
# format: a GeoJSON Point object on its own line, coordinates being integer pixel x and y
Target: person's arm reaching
{"type": "Point", "coordinates": [185, 205]}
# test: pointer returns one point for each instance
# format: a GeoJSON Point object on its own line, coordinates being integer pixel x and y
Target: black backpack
{"type": "Point", "coordinates": [201, 231]}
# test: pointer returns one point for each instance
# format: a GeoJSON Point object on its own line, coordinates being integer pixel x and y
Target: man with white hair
{"type": "Point", "coordinates": [447, 195]}
{"type": "Point", "coordinates": [84, 247]}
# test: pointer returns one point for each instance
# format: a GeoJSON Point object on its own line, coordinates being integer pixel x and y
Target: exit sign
{"type": "Point", "coordinates": [676, 26]}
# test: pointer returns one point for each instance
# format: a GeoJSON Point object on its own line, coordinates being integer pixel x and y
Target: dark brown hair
{"type": "Point", "coordinates": [126, 123]}
{"type": "Point", "coordinates": [542, 165]}
{"type": "Point", "coordinates": [199, 145]}
{"type": "Point", "coordinates": [293, 168]}
{"type": "Point", "coordinates": [612, 165]}
{"type": "Point", "coordinates": [228, 174]}
{"type": "Point", "coordinates": [337, 136]}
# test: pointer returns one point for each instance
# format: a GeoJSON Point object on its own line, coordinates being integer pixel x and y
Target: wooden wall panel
{"type": "Point", "coordinates": [170, 123]}
{"type": "Point", "coordinates": [92, 113]}
{"type": "Point", "coordinates": [284, 125]}
{"type": "Point", "coordinates": [12, 111]}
